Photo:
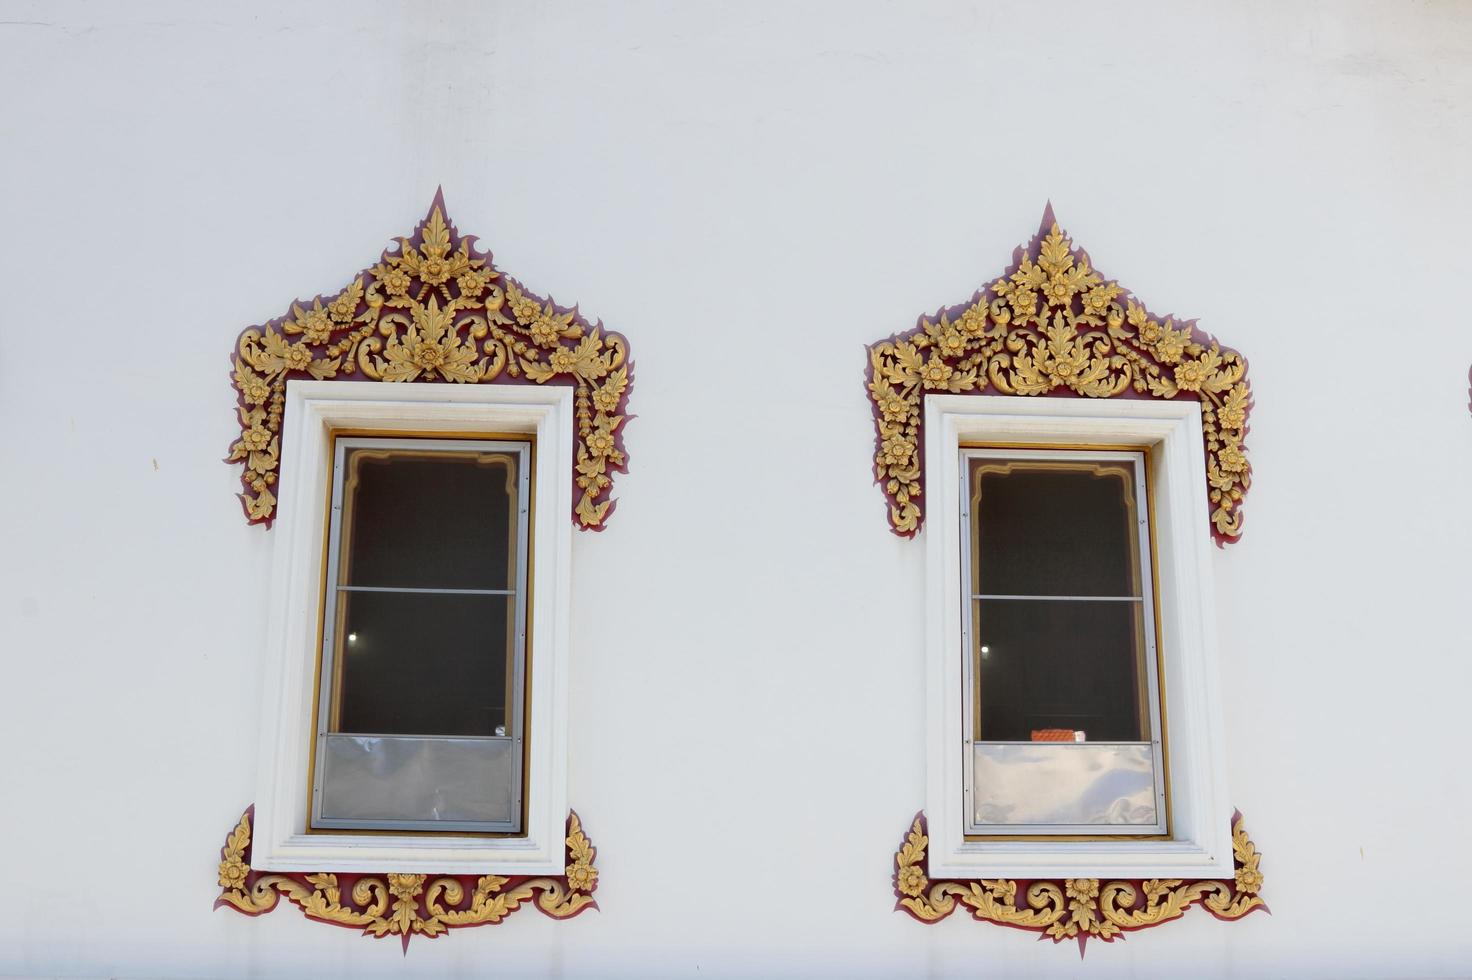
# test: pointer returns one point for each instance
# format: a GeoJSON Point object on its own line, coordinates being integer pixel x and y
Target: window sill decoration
{"type": "Point", "coordinates": [434, 309]}
{"type": "Point", "coordinates": [406, 905]}
{"type": "Point", "coordinates": [1075, 908]}
{"type": "Point", "coordinates": [1052, 325]}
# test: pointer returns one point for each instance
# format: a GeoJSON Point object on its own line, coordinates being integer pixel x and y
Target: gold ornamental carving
{"type": "Point", "coordinates": [1052, 325]}
{"type": "Point", "coordinates": [434, 309]}
{"type": "Point", "coordinates": [1075, 908]}
{"type": "Point", "coordinates": [406, 905]}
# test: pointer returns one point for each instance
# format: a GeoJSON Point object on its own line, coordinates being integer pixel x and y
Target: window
{"type": "Point", "coordinates": [414, 708]}
{"type": "Point", "coordinates": [419, 726]}
{"type": "Point", "coordinates": [1073, 719]}
{"type": "Point", "coordinates": [1063, 717]}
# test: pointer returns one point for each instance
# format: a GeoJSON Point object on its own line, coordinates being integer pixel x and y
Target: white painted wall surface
{"type": "Point", "coordinates": [751, 192]}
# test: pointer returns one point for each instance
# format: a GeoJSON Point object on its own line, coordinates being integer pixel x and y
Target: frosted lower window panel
{"type": "Point", "coordinates": [1064, 784]}
{"type": "Point", "coordinates": [379, 779]}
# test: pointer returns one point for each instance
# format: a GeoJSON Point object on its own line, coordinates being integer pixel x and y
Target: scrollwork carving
{"type": "Point", "coordinates": [1075, 908]}
{"type": "Point", "coordinates": [1052, 325]}
{"type": "Point", "coordinates": [406, 905]}
{"type": "Point", "coordinates": [434, 309]}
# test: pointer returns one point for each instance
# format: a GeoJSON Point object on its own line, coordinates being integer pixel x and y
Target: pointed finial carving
{"type": "Point", "coordinates": [1052, 325]}
{"type": "Point", "coordinates": [434, 309]}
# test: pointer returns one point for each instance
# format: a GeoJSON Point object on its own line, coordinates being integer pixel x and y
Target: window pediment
{"type": "Point", "coordinates": [1051, 324]}
{"type": "Point", "coordinates": [434, 309]}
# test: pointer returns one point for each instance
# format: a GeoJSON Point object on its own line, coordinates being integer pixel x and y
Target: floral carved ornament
{"type": "Point", "coordinates": [1052, 325]}
{"type": "Point", "coordinates": [406, 905]}
{"type": "Point", "coordinates": [1074, 908]}
{"type": "Point", "coordinates": [434, 309]}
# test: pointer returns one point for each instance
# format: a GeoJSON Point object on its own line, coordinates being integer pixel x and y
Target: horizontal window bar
{"type": "Point", "coordinates": [1065, 598]}
{"type": "Point", "coordinates": [1002, 741]}
{"type": "Point", "coordinates": [1089, 830]}
{"type": "Point", "coordinates": [382, 588]}
{"type": "Point", "coordinates": [436, 826]}
{"type": "Point", "coordinates": [436, 738]}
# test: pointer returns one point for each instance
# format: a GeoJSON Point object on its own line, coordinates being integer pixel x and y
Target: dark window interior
{"type": "Point", "coordinates": [436, 662]}
{"type": "Point", "coordinates": [427, 521]}
{"type": "Point", "coordinates": [424, 664]}
{"type": "Point", "coordinates": [1057, 530]}
{"type": "Point", "coordinates": [1054, 532]}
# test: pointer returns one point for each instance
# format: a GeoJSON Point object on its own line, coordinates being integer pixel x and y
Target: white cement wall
{"type": "Point", "coordinates": [751, 192]}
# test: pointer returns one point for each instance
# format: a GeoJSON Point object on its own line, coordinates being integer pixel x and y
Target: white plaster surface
{"type": "Point", "coordinates": [751, 192]}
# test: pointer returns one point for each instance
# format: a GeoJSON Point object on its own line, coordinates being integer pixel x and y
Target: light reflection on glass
{"type": "Point", "coordinates": [1067, 783]}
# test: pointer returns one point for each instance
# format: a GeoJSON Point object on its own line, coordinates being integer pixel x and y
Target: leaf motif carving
{"type": "Point", "coordinates": [405, 905]}
{"type": "Point", "coordinates": [1074, 908]}
{"type": "Point", "coordinates": [433, 309]}
{"type": "Point", "coordinates": [1053, 325]}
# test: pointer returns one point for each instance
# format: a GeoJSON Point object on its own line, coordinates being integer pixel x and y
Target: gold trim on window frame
{"type": "Point", "coordinates": [530, 440]}
{"type": "Point", "coordinates": [1150, 478]}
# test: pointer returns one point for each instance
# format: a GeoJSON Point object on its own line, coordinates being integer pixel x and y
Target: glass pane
{"type": "Point", "coordinates": [1047, 667]}
{"type": "Point", "coordinates": [428, 519]}
{"type": "Point", "coordinates": [423, 664]}
{"type": "Point", "coordinates": [1065, 784]}
{"type": "Point", "coordinates": [439, 779]}
{"type": "Point", "coordinates": [1044, 527]}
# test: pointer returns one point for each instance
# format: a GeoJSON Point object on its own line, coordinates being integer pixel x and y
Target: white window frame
{"type": "Point", "coordinates": [1200, 842]}
{"type": "Point", "coordinates": [314, 410]}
